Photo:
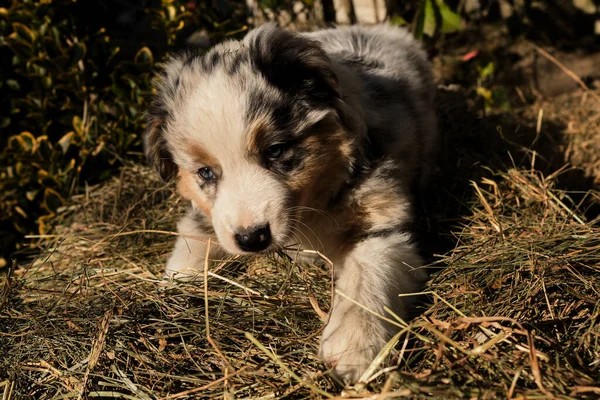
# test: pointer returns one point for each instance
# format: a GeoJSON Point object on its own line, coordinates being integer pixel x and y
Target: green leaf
{"type": "Point", "coordinates": [77, 52]}
{"type": "Point", "coordinates": [31, 194]}
{"type": "Point", "coordinates": [20, 211]}
{"type": "Point", "coordinates": [451, 21]}
{"type": "Point", "coordinates": [144, 56]}
{"type": "Point", "coordinates": [398, 21]}
{"type": "Point", "coordinates": [44, 27]}
{"type": "Point", "coordinates": [25, 141]}
{"type": "Point", "coordinates": [485, 93]}
{"type": "Point", "coordinates": [434, 12]}
{"type": "Point", "coordinates": [171, 13]}
{"type": "Point", "coordinates": [19, 46]}
{"type": "Point", "coordinates": [43, 148]}
{"type": "Point", "coordinates": [78, 125]}
{"type": "Point", "coordinates": [13, 84]}
{"type": "Point", "coordinates": [129, 140]}
{"type": "Point", "coordinates": [53, 48]}
{"type": "Point", "coordinates": [65, 141]}
{"type": "Point", "coordinates": [24, 32]}
{"type": "Point", "coordinates": [180, 26]}
{"type": "Point", "coordinates": [500, 98]}
{"type": "Point", "coordinates": [61, 62]}
{"type": "Point", "coordinates": [429, 22]}
{"type": "Point", "coordinates": [113, 52]}
{"type": "Point", "coordinates": [46, 82]}
{"type": "Point", "coordinates": [69, 167]}
{"type": "Point", "coordinates": [45, 179]}
{"type": "Point", "coordinates": [486, 71]}
{"type": "Point", "coordinates": [44, 223]}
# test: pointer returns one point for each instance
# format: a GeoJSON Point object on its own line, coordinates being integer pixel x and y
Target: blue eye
{"type": "Point", "coordinates": [274, 152]}
{"type": "Point", "coordinates": [207, 174]}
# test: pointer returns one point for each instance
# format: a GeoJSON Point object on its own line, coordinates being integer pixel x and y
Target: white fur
{"type": "Point", "coordinates": [187, 259]}
{"type": "Point", "coordinates": [372, 275]}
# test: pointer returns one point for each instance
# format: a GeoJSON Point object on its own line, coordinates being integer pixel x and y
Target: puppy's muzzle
{"type": "Point", "coordinates": [255, 238]}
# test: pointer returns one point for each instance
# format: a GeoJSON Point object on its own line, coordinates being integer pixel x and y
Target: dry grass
{"type": "Point", "coordinates": [512, 309]}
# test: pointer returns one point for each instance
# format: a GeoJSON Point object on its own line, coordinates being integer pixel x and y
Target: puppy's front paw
{"type": "Point", "coordinates": [183, 266]}
{"type": "Point", "coordinates": [350, 345]}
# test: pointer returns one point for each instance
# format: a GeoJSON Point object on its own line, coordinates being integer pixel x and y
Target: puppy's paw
{"type": "Point", "coordinates": [350, 346]}
{"type": "Point", "coordinates": [187, 275]}
{"type": "Point", "coordinates": [183, 266]}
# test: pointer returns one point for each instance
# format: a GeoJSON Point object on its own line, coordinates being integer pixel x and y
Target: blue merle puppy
{"type": "Point", "coordinates": [312, 140]}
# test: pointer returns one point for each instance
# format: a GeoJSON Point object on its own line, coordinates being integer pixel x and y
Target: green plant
{"type": "Point", "coordinates": [435, 16]}
{"type": "Point", "coordinates": [73, 98]}
{"type": "Point", "coordinates": [494, 96]}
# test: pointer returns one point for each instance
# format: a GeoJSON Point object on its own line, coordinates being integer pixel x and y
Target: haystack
{"type": "Point", "coordinates": [512, 309]}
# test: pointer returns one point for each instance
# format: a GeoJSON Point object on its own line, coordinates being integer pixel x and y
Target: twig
{"type": "Point", "coordinates": [234, 283]}
{"type": "Point", "coordinates": [202, 388]}
{"type": "Point", "coordinates": [97, 348]}
{"type": "Point", "coordinates": [332, 287]}
{"type": "Point", "coordinates": [276, 360]}
{"type": "Point", "coordinates": [8, 389]}
{"type": "Point", "coordinates": [567, 71]}
{"type": "Point", "coordinates": [212, 343]}
{"type": "Point", "coordinates": [535, 367]}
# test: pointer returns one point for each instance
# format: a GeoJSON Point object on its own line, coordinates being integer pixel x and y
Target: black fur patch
{"type": "Point", "coordinates": [235, 60]}
{"type": "Point", "coordinates": [384, 233]}
{"type": "Point", "coordinates": [203, 223]}
{"type": "Point", "coordinates": [295, 65]}
{"type": "Point", "coordinates": [154, 143]}
{"type": "Point", "coordinates": [192, 59]}
{"type": "Point", "coordinates": [292, 159]}
{"type": "Point", "coordinates": [285, 113]}
{"type": "Point", "coordinates": [210, 61]}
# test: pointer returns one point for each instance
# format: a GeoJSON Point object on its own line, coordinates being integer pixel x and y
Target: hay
{"type": "Point", "coordinates": [512, 308]}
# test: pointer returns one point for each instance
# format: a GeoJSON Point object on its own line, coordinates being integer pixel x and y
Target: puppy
{"type": "Point", "coordinates": [317, 140]}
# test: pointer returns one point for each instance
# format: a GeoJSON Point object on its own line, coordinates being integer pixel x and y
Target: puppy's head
{"type": "Point", "coordinates": [253, 130]}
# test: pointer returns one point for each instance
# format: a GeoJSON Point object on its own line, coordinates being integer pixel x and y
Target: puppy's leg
{"type": "Point", "coordinates": [373, 273]}
{"type": "Point", "coordinates": [187, 259]}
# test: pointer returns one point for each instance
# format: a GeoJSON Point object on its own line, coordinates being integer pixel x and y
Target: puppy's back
{"type": "Point", "coordinates": [397, 94]}
{"type": "Point", "coordinates": [383, 49]}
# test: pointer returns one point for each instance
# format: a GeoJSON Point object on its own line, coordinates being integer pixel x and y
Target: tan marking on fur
{"type": "Point", "coordinates": [202, 156]}
{"type": "Point", "coordinates": [187, 186]}
{"type": "Point", "coordinates": [346, 149]}
{"type": "Point", "coordinates": [257, 134]}
{"type": "Point", "coordinates": [325, 167]}
{"type": "Point", "coordinates": [383, 207]}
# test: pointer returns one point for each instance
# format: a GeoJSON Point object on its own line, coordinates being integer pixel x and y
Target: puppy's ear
{"type": "Point", "coordinates": [155, 145]}
{"type": "Point", "coordinates": [293, 63]}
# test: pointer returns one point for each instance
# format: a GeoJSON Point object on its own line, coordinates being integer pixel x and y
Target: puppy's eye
{"type": "Point", "coordinates": [274, 152]}
{"type": "Point", "coordinates": [206, 174]}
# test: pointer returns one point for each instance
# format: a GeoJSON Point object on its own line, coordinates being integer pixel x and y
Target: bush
{"type": "Point", "coordinates": [75, 77]}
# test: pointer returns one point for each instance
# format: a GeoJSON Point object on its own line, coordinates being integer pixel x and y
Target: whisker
{"type": "Point", "coordinates": [311, 230]}
{"type": "Point", "coordinates": [321, 212]}
{"type": "Point", "coordinates": [296, 229]}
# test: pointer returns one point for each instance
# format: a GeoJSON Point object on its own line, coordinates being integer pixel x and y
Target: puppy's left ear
{"type": "Point", "coordinates": [155, 145]}
{"type": "Point", "coordinates": [293, 63]}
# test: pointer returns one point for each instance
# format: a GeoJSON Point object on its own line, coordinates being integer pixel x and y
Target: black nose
{"type": "Point", "coordinates": [255, 238]}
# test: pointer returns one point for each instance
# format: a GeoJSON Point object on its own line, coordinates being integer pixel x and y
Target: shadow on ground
{"type": "Point", "coordinates": [475, 146]}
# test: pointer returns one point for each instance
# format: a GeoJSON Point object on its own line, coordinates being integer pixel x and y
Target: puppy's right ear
{"type": "Point", "coordinates": [155, 145]}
